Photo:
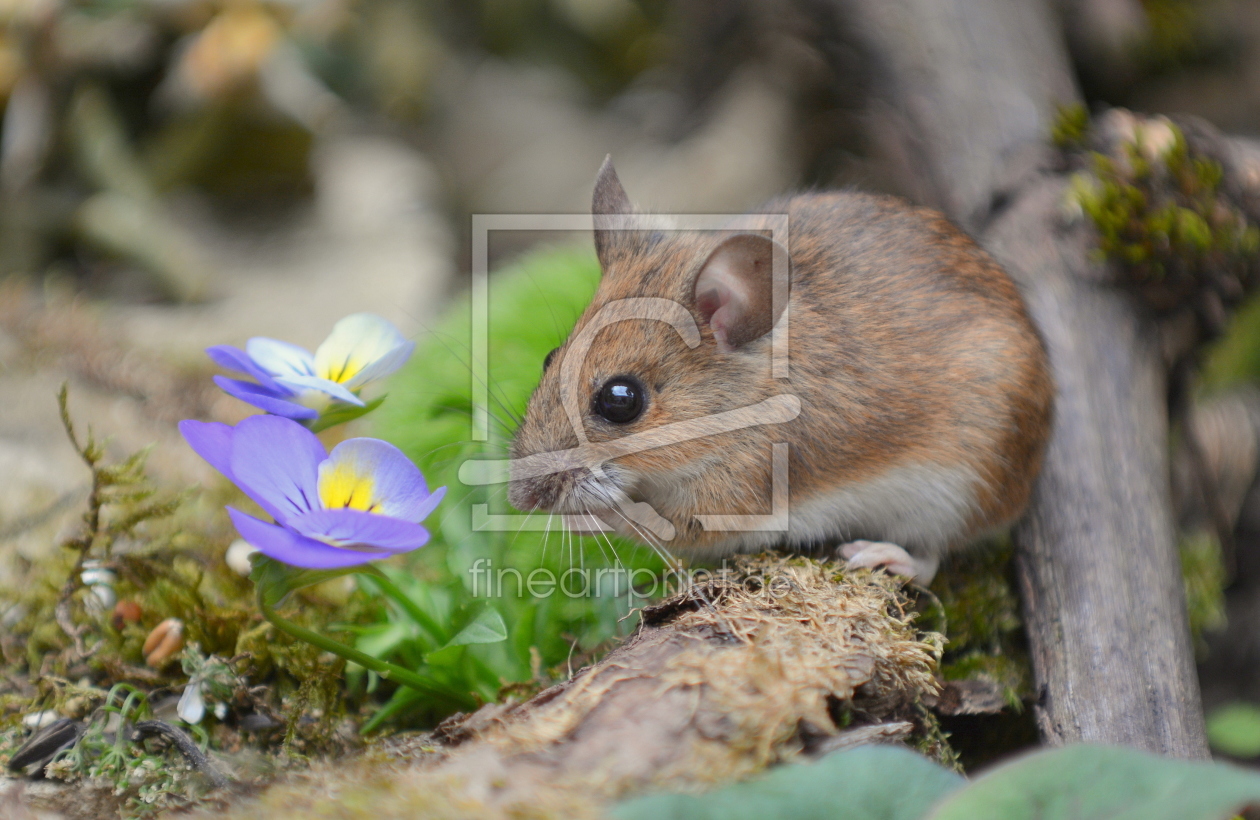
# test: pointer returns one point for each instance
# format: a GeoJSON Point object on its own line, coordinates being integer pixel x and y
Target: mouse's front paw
{"type": "Point", "coordinates": [889, 557]}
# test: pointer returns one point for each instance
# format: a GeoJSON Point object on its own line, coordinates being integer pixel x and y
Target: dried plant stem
{"type": "Point", "coordinates": [91, 455]}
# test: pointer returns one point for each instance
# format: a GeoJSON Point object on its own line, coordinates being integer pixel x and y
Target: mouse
{"type": "Point", "coordinates": [867, 380]}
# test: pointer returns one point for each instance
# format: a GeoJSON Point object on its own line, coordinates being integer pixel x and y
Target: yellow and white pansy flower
{"type": "Point", "coordinates": [289, 381]}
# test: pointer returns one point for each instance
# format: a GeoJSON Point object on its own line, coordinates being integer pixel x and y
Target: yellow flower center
{"type": "Point", "coordinates": [342, 371]}
{"type": "Point", "coordinates": [343, 488]}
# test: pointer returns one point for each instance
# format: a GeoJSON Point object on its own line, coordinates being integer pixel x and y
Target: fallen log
{"type": "Point", "coordinates": [784, 657]}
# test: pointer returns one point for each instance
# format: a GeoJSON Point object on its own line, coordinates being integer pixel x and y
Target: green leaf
{"type": "Point", "coordinates": [342, 413]}
{"type": "Point", "coordinates": [446, 658]}
{"type": "Point", "coordinates": [487, 627]}
{"type": "Point", "coordinates": [275, 580]}
{"type": "Point", "coordinates": [1234, 730]}
{"type": "Point", "coordinates": [402, 699]}
{"type": "Point", "coordinates": [867, 783]}
{"type": "Point", "coordinates": [381, 639]}
{"type": "Point", "coordinates": [1095, 782]}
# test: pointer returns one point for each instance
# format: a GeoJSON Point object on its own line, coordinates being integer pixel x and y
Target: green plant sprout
{"type": "Point", "coordinates": [109, 752]}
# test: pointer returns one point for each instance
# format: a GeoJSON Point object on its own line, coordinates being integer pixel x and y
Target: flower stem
{"type": "Point", "coordinates": [385, 669]}
{"type": "Point", "coordinates": [424, 619]}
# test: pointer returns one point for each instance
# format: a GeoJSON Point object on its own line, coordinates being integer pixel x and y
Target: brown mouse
{"type": "Point", "coordinates": [914, 403]}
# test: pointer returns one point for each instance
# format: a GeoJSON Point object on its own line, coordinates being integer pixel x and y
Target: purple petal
{"type": "Point", "coordinates": [287, 546]}
{"type": "Point", "coordinates": [280, 358]}
{"type": "Point", "coordinates": [363, 530]}
{"type": "Point", "coordinates": [233, 358]}
{"type": "Point", "coordinates": [338, 392]}
{"type": "Point", "coordinates": [276, 462]}
{"type": "Point", "coordinates": [398, 487]}
{"type": "Point", "coordinates": [212, 441]}
{"type": "Point", "coordinates": [421, 511]}
{"type": "Point", "coordinates": [264, 399]}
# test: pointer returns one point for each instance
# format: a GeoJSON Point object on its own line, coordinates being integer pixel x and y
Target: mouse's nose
{"type": "Point", "coordinates": [524, 496]}
{"type": "Point", "coordinates": [543, 492]}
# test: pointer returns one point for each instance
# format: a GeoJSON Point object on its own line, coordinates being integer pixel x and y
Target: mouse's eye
{"type": "Point", "coordinates": [549, 357]}
{"type": "Point", "coordinates": [620, 400]}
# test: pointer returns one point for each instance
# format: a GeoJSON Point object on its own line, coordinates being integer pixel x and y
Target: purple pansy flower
{"type": "Point", "coordinates": [290, 382]}
{"type": "Point", "coordinates": [364, 500]}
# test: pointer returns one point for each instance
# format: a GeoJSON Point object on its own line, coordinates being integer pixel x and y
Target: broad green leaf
{"type": "Point", "coordinates": [383, 639]}
{"type": "Point", "coordinates": [1095, 782]}
{"type": "Point", "coordinates": [342, 413]}
{"type": "Point", "coordinates": [867, 783]}
{"type": "Point", "coordinates": [275, 580]}
{"type": "Point", "coordinates": [487, 627]}
{"type": "Point", "coordinates": [448, 657]}
{"type": "Point", "coordinates": [1235, 730]}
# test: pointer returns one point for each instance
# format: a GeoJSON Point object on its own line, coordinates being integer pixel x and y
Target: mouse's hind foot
{"type": "Point", "coordinates": [889, 557]}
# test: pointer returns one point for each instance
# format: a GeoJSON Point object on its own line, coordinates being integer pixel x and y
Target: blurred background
{"type": "Point", "coordinates": [181, 173]}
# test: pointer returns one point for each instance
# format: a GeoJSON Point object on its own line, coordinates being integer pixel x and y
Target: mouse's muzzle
{"type": "Point", "coordinates": [564, 491]}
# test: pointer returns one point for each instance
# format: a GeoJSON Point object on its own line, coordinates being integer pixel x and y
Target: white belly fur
{"type": "Point", "coordinates": [927, 506]}
{"type": "Point", "coordinates": [924, 507]}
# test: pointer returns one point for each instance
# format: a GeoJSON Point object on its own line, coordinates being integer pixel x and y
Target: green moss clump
{"type": "Point", "coordinates": [1234, 358]}
{"type": "Point", "coordinates": [1071, 124]}
{"type": "Point", "coordinates": [1161, 215]}
{"type": "Point", "coordinates": [67, 649]}
{"type": "Point", "coordinates": [1203, 574]}
{"type": "Point", "coordinates": [976, 592]}
{"type": "Point", "coordinates": [979, 614]}
{"type": "Point", "coordinates": [1009, 670]}
{"type": "Point", "coordinates": [933, 741]}
{"type": "Point", "coordinates": [1177, 34]}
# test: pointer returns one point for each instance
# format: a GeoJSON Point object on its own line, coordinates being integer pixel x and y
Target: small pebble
{"type": "Point", "coordinates": [38, 720]}
{"type": "Point", "coordinates": [126, 612]}
{"type": "Point", "coordinates": [237, 557]}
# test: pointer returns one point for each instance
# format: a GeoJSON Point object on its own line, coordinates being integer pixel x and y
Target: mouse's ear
{"type": "Point", "coordinates": [735, 289]}
{"type": "Point", "coordinates": [609, 206]}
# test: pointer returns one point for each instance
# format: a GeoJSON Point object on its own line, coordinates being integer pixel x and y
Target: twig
{"type": "Point", "coordinates": [186, 746]}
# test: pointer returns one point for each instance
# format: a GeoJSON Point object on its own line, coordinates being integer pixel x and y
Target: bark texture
{"type": "Point", "coordinates": [1098, 565]}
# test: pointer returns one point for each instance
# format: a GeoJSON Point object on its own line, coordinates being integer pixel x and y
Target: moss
{"type": "Point", "coordinates": [1071, 124]}
{"type": "Point", "coordinates": [161, 552]}
{"type": "Point", "coordinates": [1235, 358]}
{"type": "Point", "coordinates": [1177, 34]}
{"type": "Point", "coordinates": [1009, 670]}
{"type": "Point", "coordinates": [933, 741]}
{"type": "Point", "coordinates": [779, 643]}
{"type": "Point", "coordinates": [1203, 574]}
{"type": "Point", "coordinates": [976, 593]}
{"type": "Point", "coordinates": [1162, 217]}
{"type": "Point", "coordinates": [977, 609]}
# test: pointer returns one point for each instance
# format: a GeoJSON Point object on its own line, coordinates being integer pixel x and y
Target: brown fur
{"type": "Point", "coordinates": [908, 345]}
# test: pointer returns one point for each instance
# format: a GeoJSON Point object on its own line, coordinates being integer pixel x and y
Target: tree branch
{"type": "Point", "coordinates": [974, 86]}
